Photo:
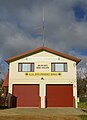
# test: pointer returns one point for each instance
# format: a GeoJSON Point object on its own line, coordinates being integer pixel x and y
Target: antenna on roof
{"type": "Point", "coordinates": [43, 30]}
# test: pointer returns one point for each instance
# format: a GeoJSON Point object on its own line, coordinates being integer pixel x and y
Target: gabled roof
{"type": "Point", "coordinates": [5, 83]}
{"type": "Point", "coordinates": [31, 52]}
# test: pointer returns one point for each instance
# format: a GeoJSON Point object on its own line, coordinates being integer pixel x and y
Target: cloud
{"type": "Point", "coordinates": [21, 25]}
{"type": "Point", "coordinates": [83, 63]}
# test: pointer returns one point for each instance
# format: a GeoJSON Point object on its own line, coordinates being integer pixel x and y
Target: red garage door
{"type": "Point", "coordinates": [59, 95]}
{"type": "Point", "coordinates": [26, 95]}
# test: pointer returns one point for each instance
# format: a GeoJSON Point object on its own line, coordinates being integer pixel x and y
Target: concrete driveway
{"type": "Point", "coordinates": [41, 112]}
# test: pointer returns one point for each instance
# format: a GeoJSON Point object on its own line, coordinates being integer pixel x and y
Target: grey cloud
{"type": "Point", "coordinates": [21, 19]}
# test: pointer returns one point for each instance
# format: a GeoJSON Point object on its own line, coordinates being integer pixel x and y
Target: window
{"type": "Point", "coordinates": [26, 67]}
{"type": "Point", "coordinates": [59, 67]}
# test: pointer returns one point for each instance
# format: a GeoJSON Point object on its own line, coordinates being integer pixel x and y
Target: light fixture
{"type": "Point", "coordinates": [42, 78]}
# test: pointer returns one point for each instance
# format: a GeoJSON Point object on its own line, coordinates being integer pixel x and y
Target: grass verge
{"type": "Point", "coordinates": [82, 105]}
{"type": "Point", "coordinates": [84, 117]}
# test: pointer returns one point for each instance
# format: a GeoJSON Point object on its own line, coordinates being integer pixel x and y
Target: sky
{"type": "Point", "coordinates": [21, 23]}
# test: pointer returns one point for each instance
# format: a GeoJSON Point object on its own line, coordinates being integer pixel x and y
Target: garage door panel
{"type": "Point", "coordinates": [59, 102]}
{"type": "Point", "coordinates": [27, 95]}
{"type": "Point", "coordinates": [34, 103]}
{"type": "Point", "coordinates": [59, 95]}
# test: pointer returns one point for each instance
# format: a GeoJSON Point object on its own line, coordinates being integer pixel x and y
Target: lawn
{"type": "Point", "coordinates": [83, 105]}
{"type": "Point", "coordinates": [83, 117]}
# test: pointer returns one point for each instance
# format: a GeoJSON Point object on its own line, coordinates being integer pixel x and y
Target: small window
{"type": "Point", "coordinates": [59, 67]}
{"type": "Point", "coordinates": [26, 67]}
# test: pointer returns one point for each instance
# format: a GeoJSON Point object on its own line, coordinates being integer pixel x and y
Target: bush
{"type": "Point", "coordinates": [83, 99]}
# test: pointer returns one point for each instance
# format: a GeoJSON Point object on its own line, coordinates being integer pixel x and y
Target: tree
{"type": "Point", "coordinates": [1, 82]}
{"type": "Point", "coordinates": [82, 82]}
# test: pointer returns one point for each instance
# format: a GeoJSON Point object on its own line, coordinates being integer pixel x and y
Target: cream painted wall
{"type": "Point", "coordinates": [43, 58]}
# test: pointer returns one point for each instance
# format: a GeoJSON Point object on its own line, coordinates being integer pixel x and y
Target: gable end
{"type": "Point", "coordinates": [40, 49]}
